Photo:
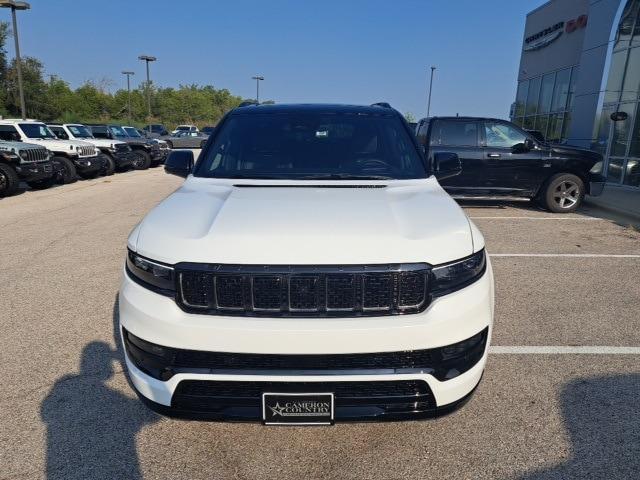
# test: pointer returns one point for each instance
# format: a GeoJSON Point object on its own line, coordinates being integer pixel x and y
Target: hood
{"type": "Point", "coordinates": [52, 143]}
{"type": "Point", "coordinates": [135, 141]}
{"type": "Point", "coordinates": [102, 142]}
{"type": "Point", "coordinates": [570, 151]}
{"type": "Point", "coordinates": [17, 146]}
{"type": "Point", "coordinates": [304, 222]}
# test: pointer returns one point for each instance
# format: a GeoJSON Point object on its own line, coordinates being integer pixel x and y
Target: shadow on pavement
{"type": "Point", "coordinates": [92, 428]}
{"type": "Point", "coordinates": [602, 416]}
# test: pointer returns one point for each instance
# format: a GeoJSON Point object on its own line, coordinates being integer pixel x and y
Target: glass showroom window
{"type": "Point", "coordinates": [543, 103]}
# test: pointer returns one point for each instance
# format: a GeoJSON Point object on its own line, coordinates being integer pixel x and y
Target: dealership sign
{"type": "Point", "coordinates": [549, 35]}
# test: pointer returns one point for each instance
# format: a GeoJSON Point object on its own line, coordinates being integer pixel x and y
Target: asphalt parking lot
{"type": "Point", "coordinates": [559, 398]}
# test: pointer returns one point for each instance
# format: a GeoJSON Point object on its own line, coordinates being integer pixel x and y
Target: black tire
{"type": "Point", "coordinates": [9, 181]}
{"type": "Point", "coordinates": [68, 172]}
{"type": "Point", "coordinates": [562, 193]}
{"type": "Point", "coordinates": [42, 184]}
{"type": "Point", "coordinates": [142, 160]}
{"type": "Point", "coordinates": [109, 166]}
{"type": "Point", "coordinates": [169, 144]}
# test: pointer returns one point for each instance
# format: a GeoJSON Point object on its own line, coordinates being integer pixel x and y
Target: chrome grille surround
{"type": "Point", "coordinates": [299, 291]}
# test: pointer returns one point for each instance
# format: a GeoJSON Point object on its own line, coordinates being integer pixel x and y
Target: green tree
{"type": "Point", "coordinates": [5, 33]}
{"type": "Point", "coordinates": [410, 117]}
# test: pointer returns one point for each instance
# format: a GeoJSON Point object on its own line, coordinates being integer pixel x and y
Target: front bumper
{"type": "Point", "coordinates": [88, 165]}
{"type": "Point", "coordinates": [448, 320]}
{"type": "Point", "coordinates": [122, 159]}
{"type": "Point", "coordinates": [31, 172]}
{"type": "Point", "coordinates": [596, 184]}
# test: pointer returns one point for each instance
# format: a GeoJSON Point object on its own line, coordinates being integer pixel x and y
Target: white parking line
{"type": "Point", "coordinates": [569, 255]}
{"type": "Point", "coordinates": [563, 350]}
{"type": "Point", "coordinates": [535, 218]}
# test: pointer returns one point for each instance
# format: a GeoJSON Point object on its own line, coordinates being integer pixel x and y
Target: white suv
{"type": "Point", "coordinates": [70, 157]}
{"type": "Point", "coordinates": [310, 270]}
{"type": "Point", "coordinates": [117, 154]}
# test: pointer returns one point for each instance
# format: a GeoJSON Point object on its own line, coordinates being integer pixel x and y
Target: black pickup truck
{"type": "Point", "coordinates": [500, 160]}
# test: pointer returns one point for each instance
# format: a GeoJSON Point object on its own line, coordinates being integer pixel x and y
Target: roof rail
{"type": "Point", "coordinates": [381, 104]}
{"type": "Point", "coordinates": [246, 103]}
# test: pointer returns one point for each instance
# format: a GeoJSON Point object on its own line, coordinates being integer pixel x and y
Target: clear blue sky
{"type": "Point", "coordinates": [357, 51]}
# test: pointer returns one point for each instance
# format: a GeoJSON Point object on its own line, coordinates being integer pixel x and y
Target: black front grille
{"type": "Point", "coordinates": [303, 290]}
{"type": "Point", "coordinates": [353, 400]}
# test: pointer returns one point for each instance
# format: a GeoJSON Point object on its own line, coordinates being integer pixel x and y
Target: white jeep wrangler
{"type": "Point", "coordinates": [70, 157]}
{"type": "Point", "coordinates": [116, 152]}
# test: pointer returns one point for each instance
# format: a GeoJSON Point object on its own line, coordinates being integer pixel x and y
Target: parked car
{"type": "Point", "coordinates": [24, 162]}
{"type": "Point", "coordinates": [146, 152]}
{"type": "Point", "coordinates": [70, 157]}
{"type": "Point", "coordinates": [134, 132]}
{"type": "Point", "coordinates": [186, 140]}
{"type": "Point", "coordinates": [118, 154]}
{"type": "Point", "coordinates": [155, 130]}
{"type": "Point", "coordinates": [185, 128]}
{"type": "Point", "coordinates": [499, 159]}
{"type": "Point", "coordinates": [310, 270]}
{"type": "Point", "coordinates": [208, 129]}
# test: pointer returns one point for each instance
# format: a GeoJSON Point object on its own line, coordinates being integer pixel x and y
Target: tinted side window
{"type": "Point", "coordinates": [9, 133]}
{"type": "Point", "coordinates": [421, 134]}
{"type": "Point", "coordinates": [502, 135]}
{"type": "Point", "coordinates": [458, 133]}
{"type": "Point", "coordinates": [59, 132]}
{"type": "Point", "coordinates": [100, 132]}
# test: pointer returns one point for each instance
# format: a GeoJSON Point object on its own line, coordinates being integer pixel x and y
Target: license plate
{"type": "Point", "coordinates": [297, 408]}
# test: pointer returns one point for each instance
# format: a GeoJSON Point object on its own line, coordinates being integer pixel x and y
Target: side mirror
{"type": "Point", "coordinates": [446, 165]}
{"type": "Point", "coordinates": [179, 162]}
{"type": "Point", "coordinates": [523, 147]}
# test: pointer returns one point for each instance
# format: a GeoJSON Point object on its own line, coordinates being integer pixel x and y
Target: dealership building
{"type": "Point", "coordinates": [579, 83]}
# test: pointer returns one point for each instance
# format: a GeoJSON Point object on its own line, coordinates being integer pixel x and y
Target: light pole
{"type": "Point", "coordinates": [128, 74]}
{"type": "Point", "coordinates": [148, 59]}
{"type": "Point", "coordinates": [430, 85]}
{"type": "Point", "coordinates": [258, 78]}
{"type": "Point", "coordinates": [13, 5]}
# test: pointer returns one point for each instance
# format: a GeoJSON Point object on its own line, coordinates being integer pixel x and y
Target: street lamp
{"type": "Point", "coordinates": [258, 78]}
{"type": "Point", "coordinates": [128, 74]}
{"type": "Point", "coordinates": [430, 85]}
{"type": "Point", "coordinates": [14, 5]}
{"type": "Point", "coordinates": [148, 59]}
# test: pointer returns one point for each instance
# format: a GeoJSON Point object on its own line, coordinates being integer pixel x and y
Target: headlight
{"type": "Point", "coordinates": [597, 167]}
{"type": "Point", "coordinates": [150, 274]}
{"type": "Point", "coordinates": [24, 155]}
{"type": "Point", "coordinates": [453, 276]}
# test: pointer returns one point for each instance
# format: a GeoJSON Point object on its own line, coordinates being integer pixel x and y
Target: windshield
{"type": "Point", "coordinates": [80, 131]}
{"type": "Point", "coordinates": [132, 132]}
{"type": "Point", "coordinates": [312, 146]}
{"type": "Point", "coordinates": [118, 132]}
{"type": "Point", "coordinates": [37, 130]}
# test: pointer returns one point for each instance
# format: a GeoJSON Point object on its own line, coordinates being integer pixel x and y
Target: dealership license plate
{"type": "Point", "coordinates": [297, 408]}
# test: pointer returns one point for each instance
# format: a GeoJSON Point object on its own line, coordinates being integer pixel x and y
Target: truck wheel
{"type": "Point", "coordinates": [9, 180]}
{"type": "Point", "coordinates": [42, 184]}
{"type": "Point", "coordinates": [109, 166]}
{"type": "Point", "coordinates": [563, 193]}
{"type": "Point", "coordinates": [142, 160]}
{"type": "Point", "coordinates": [67, 173]}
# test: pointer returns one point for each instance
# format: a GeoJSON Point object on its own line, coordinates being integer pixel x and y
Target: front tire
{"type": "Point", "coordinates": [68, 172]}
{"type": "Point", "coordinates": [109, 166]}
{"type": "Point", "coordinates": [142, 160]}
{"type": "Point", "coordinates": [9, 181]}
{"type": "Point", "coordinates": [563, 193]}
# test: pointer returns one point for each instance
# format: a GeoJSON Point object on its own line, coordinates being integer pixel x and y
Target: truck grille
{"type": "Point", "coordinates": [86, 151]}
{"type": "Point", "coordinates": [36, 155]}
{"type": "Point", "coordinates": [122, 147]}
{"type": "Point", "coordinates": [303, 290]}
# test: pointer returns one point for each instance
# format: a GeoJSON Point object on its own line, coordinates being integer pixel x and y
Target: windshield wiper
{"type": "Point", "coordinates": [344, 176]}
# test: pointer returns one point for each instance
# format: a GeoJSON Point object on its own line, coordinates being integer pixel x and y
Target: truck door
{"type": "Point", "coordinates": [460, 136]}
{"type": "Point", "coordinates": [513, 167]}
